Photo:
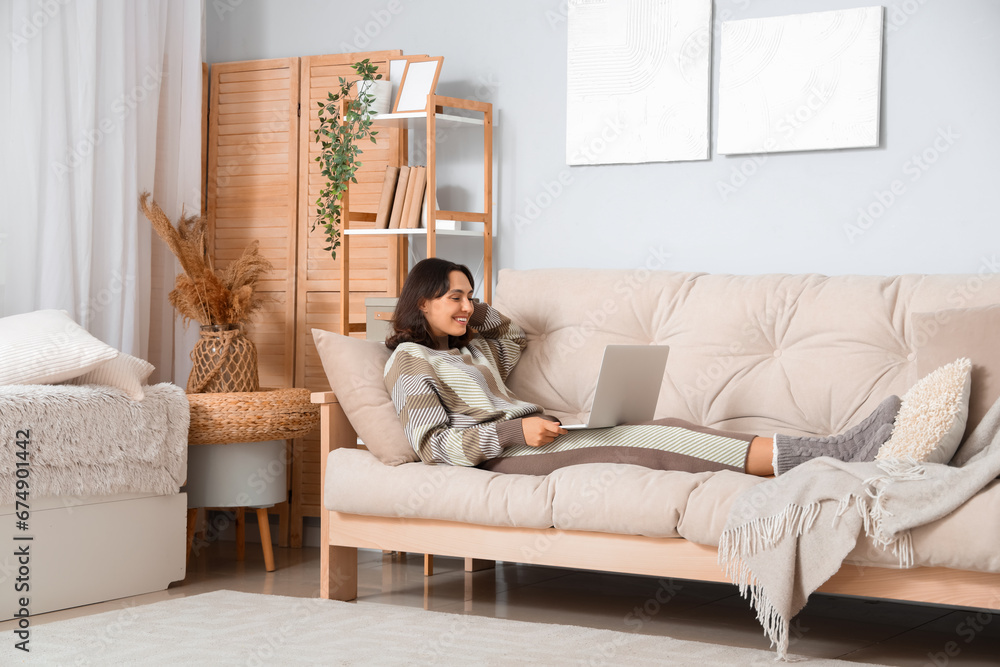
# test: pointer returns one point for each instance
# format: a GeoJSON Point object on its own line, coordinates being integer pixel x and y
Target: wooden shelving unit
{"type": "Point", "coordinates": [434, 115]}
{"type": "Point", "coordinates": [262, 184]}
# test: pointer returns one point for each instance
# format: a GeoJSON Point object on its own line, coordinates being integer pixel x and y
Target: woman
{"type": "Point", "coordinates": [447, 377]}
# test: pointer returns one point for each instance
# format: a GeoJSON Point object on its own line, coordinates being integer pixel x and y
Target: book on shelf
{"type": "Point", "coordinates": [399, 197]}
{"type": "Point", "coordinates": [385, 200]}
{"type": "Point", "coordinates": [416, 198]}
{"type": "Point", "coordinates": [404, 214]}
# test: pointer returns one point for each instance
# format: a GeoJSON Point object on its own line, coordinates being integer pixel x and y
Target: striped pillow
{"type": "Point", "coordinates": [47, 346]}
{"type": "Point", "coordinates": [124, 372]}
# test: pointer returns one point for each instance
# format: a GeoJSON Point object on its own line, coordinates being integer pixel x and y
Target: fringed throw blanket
{"type": "Point", "coordinates": [784, 538]}
{"type": "Point", "coordinates": [92, 440]}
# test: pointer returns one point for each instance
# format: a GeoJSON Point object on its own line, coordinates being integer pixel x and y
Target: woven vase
{"type": "Point", "coordinates": [224, 360]}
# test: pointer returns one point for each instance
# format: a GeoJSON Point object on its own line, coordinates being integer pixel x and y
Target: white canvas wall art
{"type": "Point", "coordinates": [802, 82]}
{"type": "Point", "coordinates": [638, 74]}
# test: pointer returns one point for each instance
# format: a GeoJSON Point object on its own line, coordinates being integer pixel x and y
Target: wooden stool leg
{"type": "Point", "coordinates": [265, 538]}
{"type": "Point", "coordinates": [192, 522]}
{"type": "Point", "coordinates": [241, 533]}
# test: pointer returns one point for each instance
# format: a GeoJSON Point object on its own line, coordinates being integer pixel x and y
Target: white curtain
{"type": "Point", "coordinates": [102, 101]}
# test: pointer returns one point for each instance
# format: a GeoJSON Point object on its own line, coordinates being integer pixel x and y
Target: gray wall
{"type": "Point", "coordinates": [940, 77]}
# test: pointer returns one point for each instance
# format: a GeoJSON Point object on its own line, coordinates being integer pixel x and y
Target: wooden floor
{"type": "Point", "coordinates": [831, 627]}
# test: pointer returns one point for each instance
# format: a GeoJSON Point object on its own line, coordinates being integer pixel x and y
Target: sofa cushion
{"type": "Point", "coordinates": [797, 354]}
{"type": "Point", "coordinates": [619, 499]}
{"type": "Point", "coordinates": [354, 368]}
{"type": "Point", "coordinates": [705, 512]}
{"type": "Point", "coordinates": [946, 335]}
{"type": "Point", "coordinates": [357, 483]}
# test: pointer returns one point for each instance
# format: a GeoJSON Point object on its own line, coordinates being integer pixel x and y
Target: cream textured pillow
{"type": "Point", "coordinates": [124, 372]}
{"type": "Point", "coordinates": [46, 347]}
{"type": "Point", "coordinates": [355, 370]}
{"type": "Point", "coordinates": [931, 420]}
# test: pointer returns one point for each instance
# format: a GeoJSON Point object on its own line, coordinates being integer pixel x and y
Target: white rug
{"type": "Point", "coordinates": [228, 628]}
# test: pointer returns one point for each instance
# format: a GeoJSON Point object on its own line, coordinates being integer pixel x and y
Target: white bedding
{"type": "Point", "coordinates": [92, 440]}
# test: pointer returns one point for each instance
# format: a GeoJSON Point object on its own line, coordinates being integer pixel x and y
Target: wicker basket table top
{"type": "Point", "coordinates": [252, 416]}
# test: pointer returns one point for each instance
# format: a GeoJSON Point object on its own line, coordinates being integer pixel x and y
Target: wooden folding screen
{"type": "Point", "coordinates": [263, 182]}
{"type": "Point", "coordinates": [374, 260]}
{"type": "Point", "coordinates": [253, 192]}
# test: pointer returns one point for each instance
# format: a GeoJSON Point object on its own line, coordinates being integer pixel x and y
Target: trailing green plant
{"type": "Point", "coordinates": [339, 139]}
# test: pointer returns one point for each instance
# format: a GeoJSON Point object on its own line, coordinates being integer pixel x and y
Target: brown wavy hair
{"type": "Point", "coordinates": [428, 279]}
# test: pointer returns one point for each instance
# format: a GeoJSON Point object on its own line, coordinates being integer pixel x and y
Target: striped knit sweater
{"type": "Point", "coordinates": [454, 404]}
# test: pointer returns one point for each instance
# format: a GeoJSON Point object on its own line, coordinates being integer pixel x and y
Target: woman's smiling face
{"type": "Point", "coordinates": [448, 315]}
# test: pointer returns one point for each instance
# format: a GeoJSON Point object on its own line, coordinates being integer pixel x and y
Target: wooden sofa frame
{"type": "Point", "coordinates": [342, 534]}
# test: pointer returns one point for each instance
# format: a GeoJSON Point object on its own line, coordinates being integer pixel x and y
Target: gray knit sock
{"type": "Point", "coordinates": [860, 443]}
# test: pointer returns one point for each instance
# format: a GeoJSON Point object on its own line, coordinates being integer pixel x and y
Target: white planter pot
{"type": "Point", "coordinates": [382, 90]}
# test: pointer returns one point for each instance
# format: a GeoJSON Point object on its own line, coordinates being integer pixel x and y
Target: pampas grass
{"type": "Point", "coordinates": [201, 293]}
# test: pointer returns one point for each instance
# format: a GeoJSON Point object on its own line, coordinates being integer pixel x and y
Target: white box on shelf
{"type": "Point", "coordinates": [444, 225]}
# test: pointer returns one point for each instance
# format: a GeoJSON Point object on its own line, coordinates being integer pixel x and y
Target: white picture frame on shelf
{"type": "Point", "coordinates": [397, 66]}
{"type": "Point", "coordinates": [801, 82]}
{"type": "Point", "coordinates": [419, 80]}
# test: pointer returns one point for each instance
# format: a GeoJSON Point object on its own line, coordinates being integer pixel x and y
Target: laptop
{"type": "Point", "coordinates": [627, 387]}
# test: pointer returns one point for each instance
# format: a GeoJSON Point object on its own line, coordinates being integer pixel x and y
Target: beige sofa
{"type": "Point", "coordinates": [804, 354]}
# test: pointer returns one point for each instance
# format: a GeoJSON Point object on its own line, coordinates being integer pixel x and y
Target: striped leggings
{"type": "Point", "coordinates": [663, 444]}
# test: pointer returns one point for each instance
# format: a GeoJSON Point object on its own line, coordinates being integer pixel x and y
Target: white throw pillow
{"type": "Point", "coordinates": [47, 346]}
{"type": "Point", "coordinates": [931, 420]}
{"type": "Point", "coordinates": [124, 372]}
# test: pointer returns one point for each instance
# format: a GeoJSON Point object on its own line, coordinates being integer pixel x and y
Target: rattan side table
{"type": "Point", "coordinates": [237, 455]}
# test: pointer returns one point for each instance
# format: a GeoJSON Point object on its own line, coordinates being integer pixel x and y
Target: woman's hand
{"type": "Point", "coordinates": [538, 431]}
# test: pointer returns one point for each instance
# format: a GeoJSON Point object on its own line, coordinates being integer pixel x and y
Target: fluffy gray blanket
{"type": "Point", "coordinates": [784, 538]}
{"type": "Point", "coordinates": [93, 440]}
